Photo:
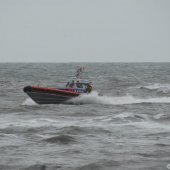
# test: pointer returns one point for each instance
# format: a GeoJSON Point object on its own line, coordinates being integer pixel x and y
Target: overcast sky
{"type": "Point", "coordinates": [84, 30]}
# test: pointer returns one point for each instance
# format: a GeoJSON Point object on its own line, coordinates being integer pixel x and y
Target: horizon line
{"type": "Point", "coordinates": [13, 62]}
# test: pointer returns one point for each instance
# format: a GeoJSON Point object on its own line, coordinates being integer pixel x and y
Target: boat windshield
{"type": "Point", "coordinates": [78, 84]}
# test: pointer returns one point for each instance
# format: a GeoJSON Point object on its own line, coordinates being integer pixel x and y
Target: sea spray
{"type": "Point", "coordinates": [29, 102]}
{"type": "Point", "coordinates": [95, 98]}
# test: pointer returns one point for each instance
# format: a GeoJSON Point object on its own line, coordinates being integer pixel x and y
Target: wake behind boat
{"type": "Point", "coordinates": [50, 95]}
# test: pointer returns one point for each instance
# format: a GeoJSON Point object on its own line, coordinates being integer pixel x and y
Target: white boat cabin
{"type": "Point", "coordinates": [80, 85]}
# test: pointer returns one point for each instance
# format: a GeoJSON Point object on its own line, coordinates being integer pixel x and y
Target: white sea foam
{"type": "Point", "coordinates": [124, 115]}
{"type": "Point", "coordinates": [158, 116]}
{"type": "Point", "coordinates": [154, 126]}
{"type": "Point", "coordinates": [95, 98]}
{"type": "Point", "coordinates": [29, 102]}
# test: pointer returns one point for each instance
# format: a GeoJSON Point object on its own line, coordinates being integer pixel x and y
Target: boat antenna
{"type": "Point", "coordinates": [79, 72]}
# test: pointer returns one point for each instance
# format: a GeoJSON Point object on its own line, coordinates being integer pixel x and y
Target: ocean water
{"type": "Point", "coordinates": [123, 124]}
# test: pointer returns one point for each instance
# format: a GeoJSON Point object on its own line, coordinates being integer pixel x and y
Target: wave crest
{"type": "Point", "coordinates": [61, 139]}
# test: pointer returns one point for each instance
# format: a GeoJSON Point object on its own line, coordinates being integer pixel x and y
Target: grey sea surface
{"type": "Point", "coordinates": [123, 124]}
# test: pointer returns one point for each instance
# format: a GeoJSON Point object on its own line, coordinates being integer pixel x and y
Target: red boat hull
{"type": "Point", "coordinates": [49, 95]}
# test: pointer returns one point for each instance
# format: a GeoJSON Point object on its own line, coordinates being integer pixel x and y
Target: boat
{"type": "Point", "coordinates": [51, 95]}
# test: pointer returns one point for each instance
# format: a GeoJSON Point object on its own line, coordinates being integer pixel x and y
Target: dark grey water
{"type": "Point", "coordinates": [128, 127]}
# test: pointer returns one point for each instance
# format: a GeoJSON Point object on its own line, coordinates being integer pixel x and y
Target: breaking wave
{"type": "Point", "coordinates": [95, 98]}
{"type": "Point", "coordinates": [157, 86]}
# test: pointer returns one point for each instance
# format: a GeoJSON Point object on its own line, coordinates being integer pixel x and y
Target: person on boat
{"type": "Point", "coordinates": [71, 84]}
{"type": "Point", "coordinates": [68, 83]}
{"type": "Point", "coordinates": [89, 88]}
